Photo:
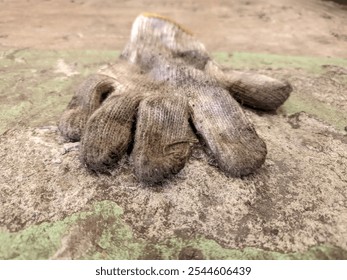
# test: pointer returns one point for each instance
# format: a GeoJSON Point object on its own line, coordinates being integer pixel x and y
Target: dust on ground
{"type": "Point", "coordinates": [302, 206]}
{"type": "Point", "coordinates": [295, 201]}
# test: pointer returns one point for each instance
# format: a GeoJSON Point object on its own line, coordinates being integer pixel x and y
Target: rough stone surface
{"type": "Point", "coordinates": [295, 201]}
{"type": "Point", "coordinates": [292, 208]}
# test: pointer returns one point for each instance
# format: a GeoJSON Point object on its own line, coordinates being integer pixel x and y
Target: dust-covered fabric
{"type": "Point", "coordinates": [165, 88]}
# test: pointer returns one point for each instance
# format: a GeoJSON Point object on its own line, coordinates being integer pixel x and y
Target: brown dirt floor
{"type": "Point", "coordinates": [311, 27]}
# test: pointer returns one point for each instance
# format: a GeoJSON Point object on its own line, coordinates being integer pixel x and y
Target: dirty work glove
{"type": "Point", "coordinates": [168, 68]}
{"type": "Point", "coordinates": [167, 37]}
{"type": "Point", "coordinates": [103, 113]}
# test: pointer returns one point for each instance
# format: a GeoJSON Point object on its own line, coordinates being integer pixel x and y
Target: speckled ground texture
{"type": "Point", "coordinates": [293, 207]}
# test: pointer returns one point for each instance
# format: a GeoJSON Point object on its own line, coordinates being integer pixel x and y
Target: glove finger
{"type": "Point", "coordinates": [108, 132]}
{"type": "Point", "coordinates": [88, 97]}
{"type": "Point", "coordinates": [254, 90]}
{"type": "Point", "coordinates": [162, 138]}
{"type": "Point", "coordinates": [227, 132]}
{"type": "Point", "coordinates": [217, 117]}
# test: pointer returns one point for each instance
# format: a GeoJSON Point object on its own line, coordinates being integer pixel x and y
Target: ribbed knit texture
{"type": "Point", "coordinates": [164, 77]}
{"type": "Point", "coordinates": [86, 100]}
{"type": "Point", "coordinates": [161, 142]}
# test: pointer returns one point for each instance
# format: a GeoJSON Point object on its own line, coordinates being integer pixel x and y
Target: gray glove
{"type": "Point", "coordinates": [164, 77]}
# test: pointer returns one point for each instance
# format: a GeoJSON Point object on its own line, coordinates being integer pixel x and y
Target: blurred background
{"type": "Point", "coordinates": [294, 207]}
{"type": "Point", "coordinates": [296, 27]}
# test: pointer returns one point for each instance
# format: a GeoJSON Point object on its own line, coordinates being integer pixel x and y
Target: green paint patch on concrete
{"type": "Point", "coordinates": [296, 103]}
{"type": "Point", "coordinates": [214, 251]}
{"type": "Point", "coordinates": [115, 240]}
{"type": "Point", "coordinates": [48, 59]}
{"type": "Point", "coordinates": [36, 86]}
{"type": "Point", "coordinates": [102, 225]}
{"type": "Point", "coordinates": [35, 242]}
{"type": "Point", "coordinates": [108, 237]}
{"type": "Point", "coordinates": [242, 60]}
{"type": "Point", "coordinates": [328, 113]}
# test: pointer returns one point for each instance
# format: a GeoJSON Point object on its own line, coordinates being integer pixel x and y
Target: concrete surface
{"type": "Point", "coordinates": [294, 207]}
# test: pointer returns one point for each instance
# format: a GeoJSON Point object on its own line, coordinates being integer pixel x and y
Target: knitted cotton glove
{"type": "Point", "coordinates": [103, 113]}
{"type": "Point", "coordinates": [163, 77]}
{"type": "Point", "coordinates": [166, 37]}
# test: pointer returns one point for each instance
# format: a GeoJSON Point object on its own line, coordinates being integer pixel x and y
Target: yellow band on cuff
{"type": "Point", "coordinates": [154, 15]}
